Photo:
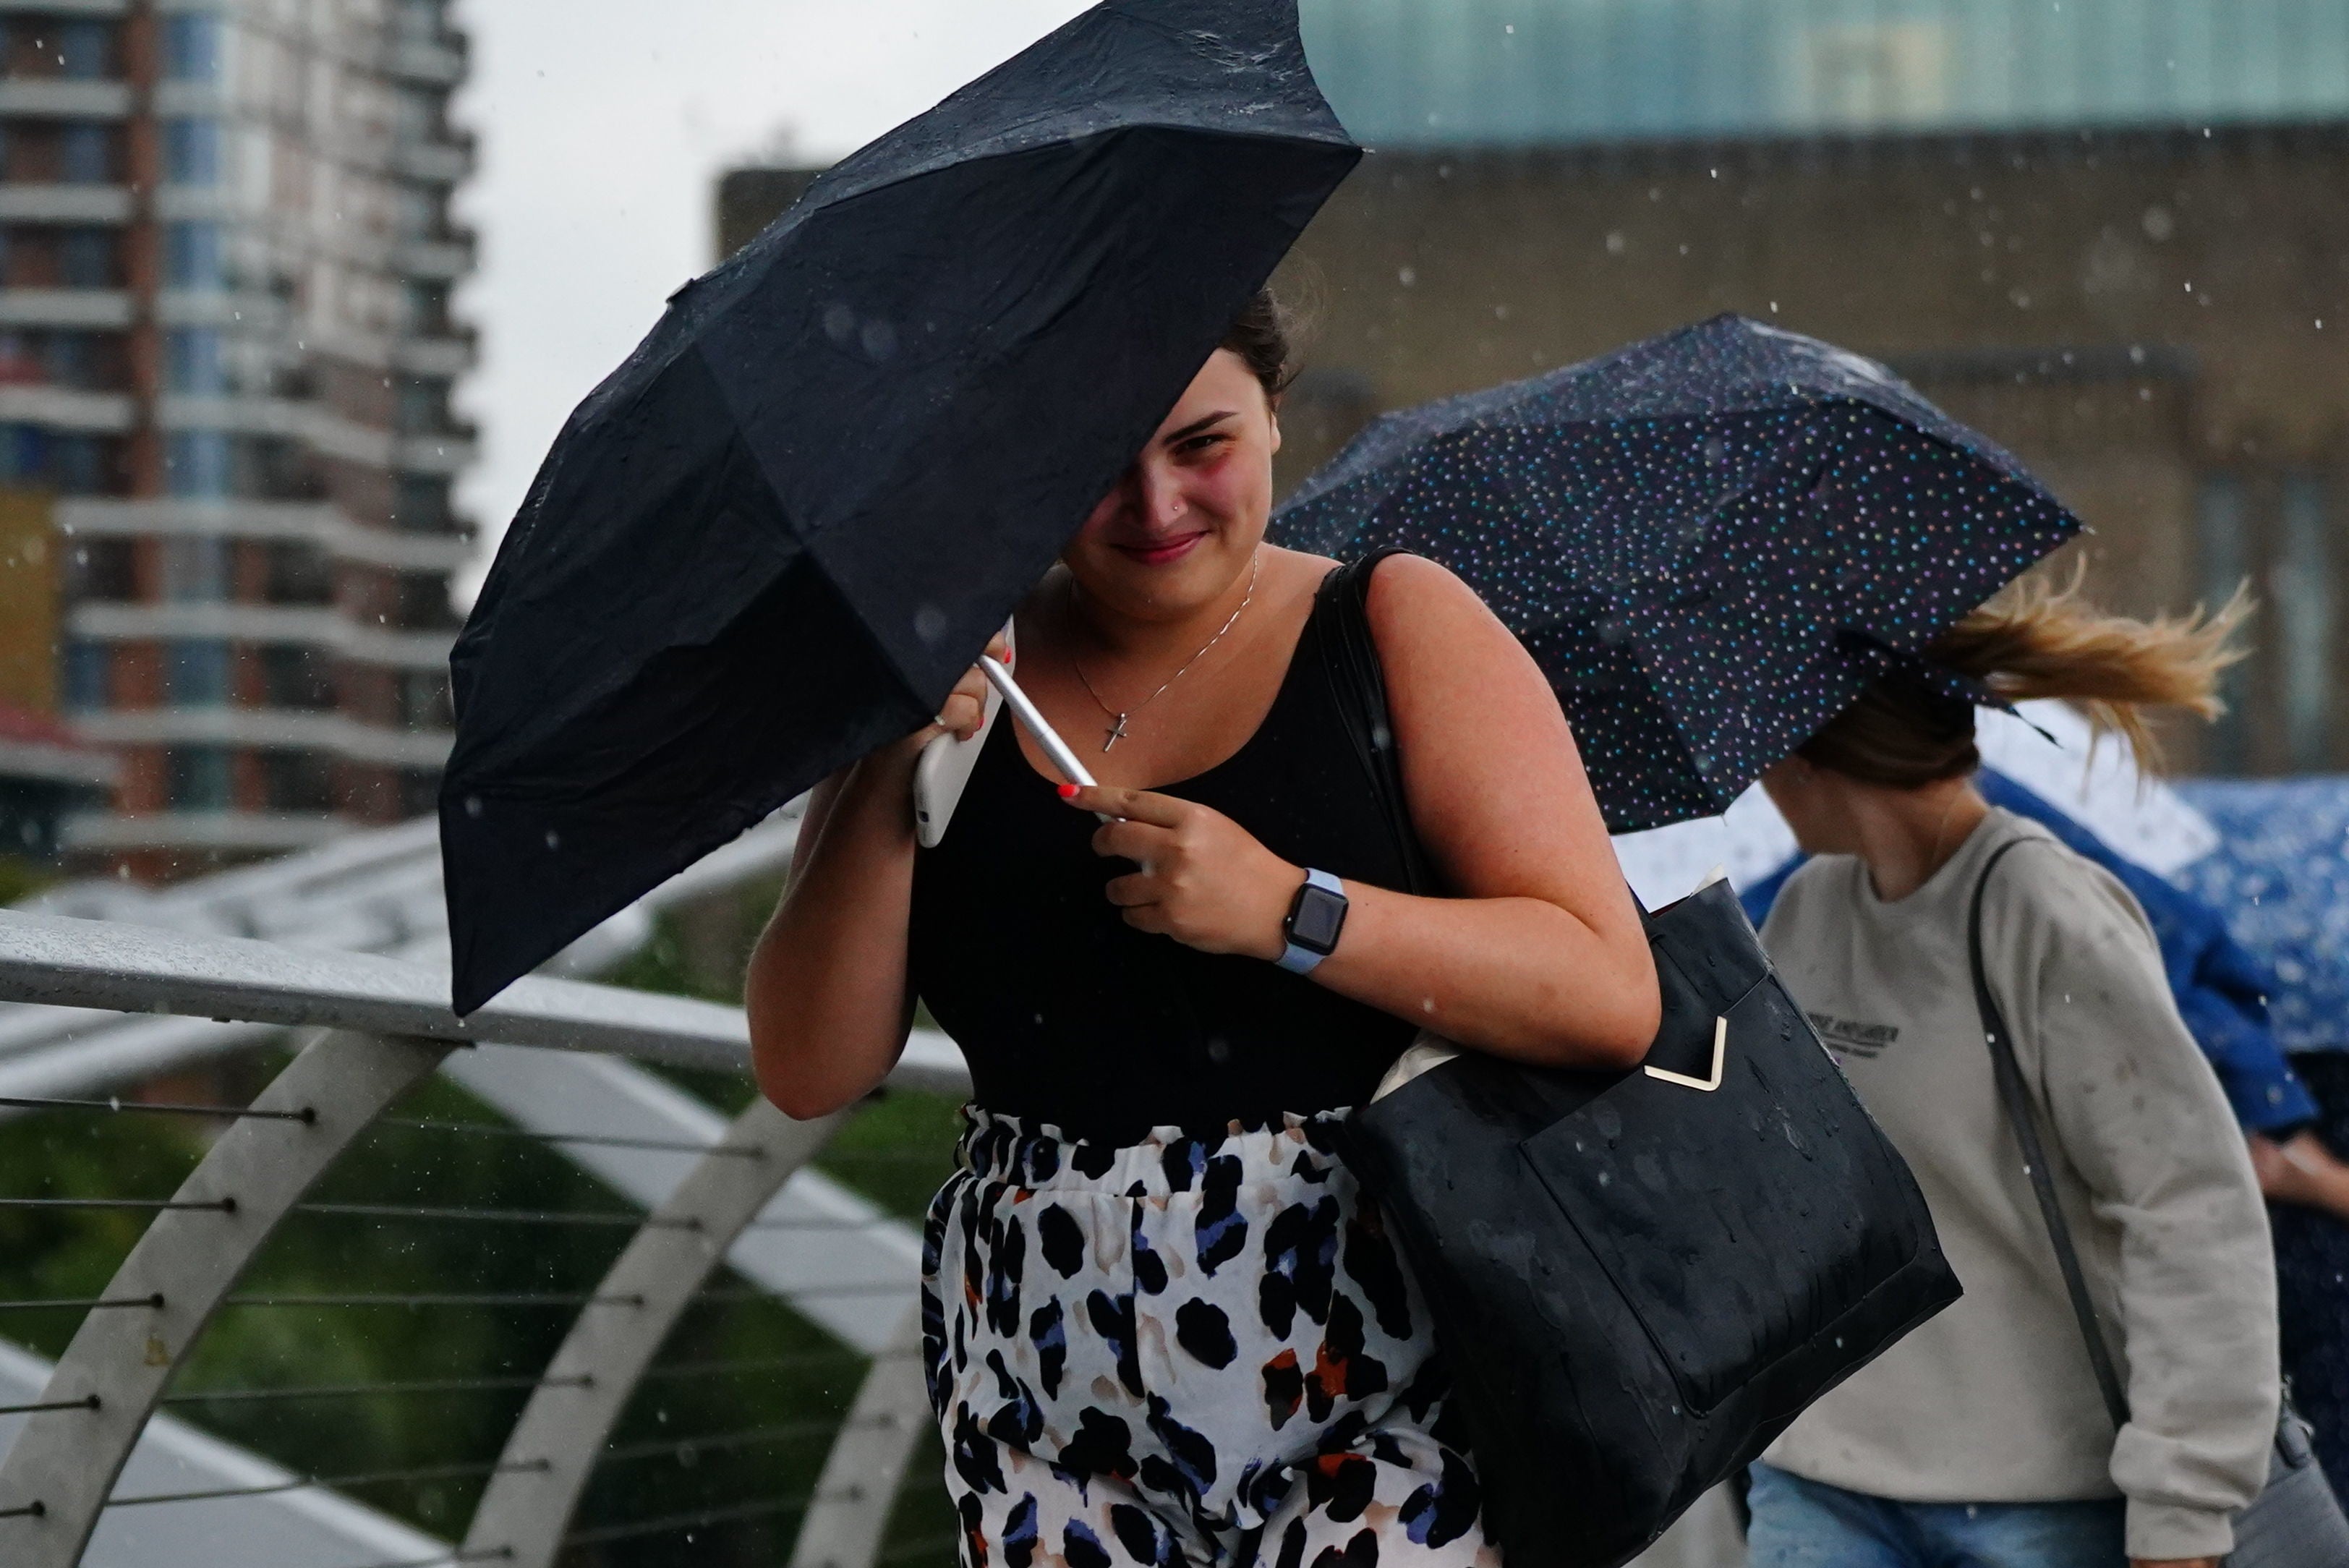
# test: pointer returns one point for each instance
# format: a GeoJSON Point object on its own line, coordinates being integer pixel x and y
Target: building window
{"type": "Point", "coordinates": [191, 151]}
{"type": "Point", "coordinates": [199, 778]}
{"type": "Point", "coordinates": [24, 454]}
{"type": "Point", "coordinates": [192, 255]}
{"type": "Point", "coordinates": [298, 781]}
{"type": "Point", "coordinates": [197, 461]}
{"type": "Point", "coordinates": [296, 677]}
{"type": "Point", "coordinates": [103, 568]}
{"type": "Point", "coordinates": [421, 407]}
{"type": "Point", "coordinates": [195, 570]}
{"type": "Point", "coordinates": [420, 503]}
{"type": "Point", "coordinates": [78, 463]}
{"type": "Point", "coordinates": [90, 675]}
{"type": "Point", "coordinates": [2300, 585]}
{"type": "Point", "coordinates": [298, 575]}
{"type": "Point", "coordinates": [424, 699]}
{"type": "Point", "coordinates": [191, 47]}
{"type": "Point", "coordinates": [194, 353]}
{"type": "Point", "coordinates": [87, 258]}
{"type": "Point", "coordinates": [195, 673]}
{"type": "Point", "coordinates": [2222, 531]}
{"type": "Point", "coordinates": [419, 792]}
{"type": "Point", "coordinates": [426, 310]}
{"type": "Point", "coordinates": [85, 154]}
{"type": "Point", "coordinates": [417, 20]}
{"type": "Point", "coordinates": [22, 361]}
{"type": "Point", "coordinates": [85, 50]}
{"type": "Point", "coordinates": [424, 601]}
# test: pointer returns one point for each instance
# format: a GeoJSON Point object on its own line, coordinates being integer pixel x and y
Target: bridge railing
{"type": "Point", "coordinates": [732, 1217]}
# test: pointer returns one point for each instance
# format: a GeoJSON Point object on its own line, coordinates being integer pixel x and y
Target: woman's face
{"type": "Point", "coordinates": [1183, 521]}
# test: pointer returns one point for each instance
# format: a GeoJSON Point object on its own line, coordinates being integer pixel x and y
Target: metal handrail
{"type": "Point", "coordinates": [127, 968]}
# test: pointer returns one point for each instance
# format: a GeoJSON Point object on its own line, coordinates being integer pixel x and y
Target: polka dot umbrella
{"type": "Point", "coordinates": [1710, 541]}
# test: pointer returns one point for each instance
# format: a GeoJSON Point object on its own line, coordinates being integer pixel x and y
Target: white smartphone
{"type": "Point", "coordinates": [943, 768]}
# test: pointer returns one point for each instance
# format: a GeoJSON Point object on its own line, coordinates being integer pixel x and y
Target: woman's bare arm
{"type": "Point", "coordinates": [827, 989]}
{"type": "Point", "coordinates": [1540, 956]}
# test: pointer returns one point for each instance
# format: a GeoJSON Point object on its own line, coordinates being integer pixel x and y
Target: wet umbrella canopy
{"type": "Point", "coordinates": [1710, 541]}
{"type": "Point", "coordinates": [774, 537]}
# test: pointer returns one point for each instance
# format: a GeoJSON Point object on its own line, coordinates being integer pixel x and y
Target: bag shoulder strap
{"type": "Point", "coordinates": [1357, 684]}
{"type": "Point", "coordinates": [2016, 1100]}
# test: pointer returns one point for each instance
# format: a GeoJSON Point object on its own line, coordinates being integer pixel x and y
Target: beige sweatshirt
{"type": "Point", "coordinates": [1993, 1401]}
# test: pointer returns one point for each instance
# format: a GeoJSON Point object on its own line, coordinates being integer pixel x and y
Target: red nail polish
{"type": "Point", "coordinates": [1068, 791]}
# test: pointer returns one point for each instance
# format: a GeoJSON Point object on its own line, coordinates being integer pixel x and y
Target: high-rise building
{"type": "Point", "coordinates": [226, 257]}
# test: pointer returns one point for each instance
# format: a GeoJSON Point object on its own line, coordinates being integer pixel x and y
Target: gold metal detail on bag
{"type": "Point", "coordinates": [1719, 1054]}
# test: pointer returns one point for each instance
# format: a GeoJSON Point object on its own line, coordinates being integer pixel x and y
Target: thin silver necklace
{"type": "Point", "coordinates": [1119, 716]}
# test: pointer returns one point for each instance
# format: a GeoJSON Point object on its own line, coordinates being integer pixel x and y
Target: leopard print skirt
{"type": "Point", "coordinates": [1191, 1351]}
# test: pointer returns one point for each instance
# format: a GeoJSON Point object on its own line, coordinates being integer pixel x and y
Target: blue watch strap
{"type": "Point", "coordinates": [1298, 959]}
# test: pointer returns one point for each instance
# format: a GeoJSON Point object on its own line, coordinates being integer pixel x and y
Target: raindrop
{"type": "Point", "coordinates": [553, 839]}
{"type": "Point", "coordinates": [879, 340]}
{"type": "Point", "coordinates": [930, 623]}
{"type": "Point", "coordinates": [1407, 276]}
{"type": "Point", "coordinates": [473, 806]}
{"type": "Point", "coordinates": [839, 323]}
{"type": "Point", "coordinates": [1615, 242]}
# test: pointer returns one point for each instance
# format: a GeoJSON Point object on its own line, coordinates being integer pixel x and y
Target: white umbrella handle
{"type": "Point", "coordinates": [1025, 711]}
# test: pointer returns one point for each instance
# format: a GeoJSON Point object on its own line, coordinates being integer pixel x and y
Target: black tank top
{"type": "Point", "coordinates": [1071, 1017]}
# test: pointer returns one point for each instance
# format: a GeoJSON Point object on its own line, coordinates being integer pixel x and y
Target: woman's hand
{"type": "Point", "coordinates": [1204, 879]}
{"type": "Point", "coordinates": [965, 709]}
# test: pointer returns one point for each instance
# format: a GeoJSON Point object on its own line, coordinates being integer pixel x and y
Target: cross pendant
{"type": "Point", "coordinates": [1116, 732]}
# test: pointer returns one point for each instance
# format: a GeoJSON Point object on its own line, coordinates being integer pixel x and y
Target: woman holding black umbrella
{"type": "Point", "coordinates": [1161, 1327]}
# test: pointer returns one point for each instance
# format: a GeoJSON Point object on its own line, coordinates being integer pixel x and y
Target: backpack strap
{"type": "Point", "coordinates": [1358, 688]}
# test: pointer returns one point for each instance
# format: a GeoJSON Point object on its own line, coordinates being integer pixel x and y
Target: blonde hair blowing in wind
{"type": "Point", "coordinates": [2037, 639]}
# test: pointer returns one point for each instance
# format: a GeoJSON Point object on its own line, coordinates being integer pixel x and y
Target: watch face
{"type": "Point", "coordinates": [1314, 923]}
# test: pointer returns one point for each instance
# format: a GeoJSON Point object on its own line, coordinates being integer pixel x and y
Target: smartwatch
{"type": "Point", "coordinates": [1315, 915]}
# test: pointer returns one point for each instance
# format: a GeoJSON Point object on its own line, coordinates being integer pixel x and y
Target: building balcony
{"type": "Point", "coordinates": [449, 257]}
{"type": "Point", "coordinates": [440, 62]}
{"type": "Point", "coordinates": [283, 522]}
{"type": "Point", "coordinates": [60, 98]}
{"type": "Point", "coordinates": [59, 203]}
{"type": "Point", "coordinates": [233, 832]}
{"type": "Point", "coordinates": [66, 8]}
{"type": "Point", "coordinates": [446, 453]}
{"type": "Point", "coordinates": [310, 626]}
{"type": "Point", "coordinates": [177, 99]}
{"type": "Point", "coordinates": [249, 310]}
{"type": "Point", "coordinates": [91, 308]}
{"type": "Point", "coordinates": [450, 355]}
{"type": "Point", "coordinates": [64, 408]}
{"type": "Point", "coordinates": [434, 162]}
{"type": "Point", "coordinates": [268, 729]}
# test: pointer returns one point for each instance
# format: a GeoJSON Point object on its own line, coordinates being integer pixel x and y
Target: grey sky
{"type": "Point", "coordinates": [603, 124]}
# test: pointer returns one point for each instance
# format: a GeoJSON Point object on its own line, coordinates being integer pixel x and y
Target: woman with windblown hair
{"type": "Point", "coordinates": [1982, 1438]}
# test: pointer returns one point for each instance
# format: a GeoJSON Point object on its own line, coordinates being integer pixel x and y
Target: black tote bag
{"type": "Point", "coordinates": [1638, 1278]}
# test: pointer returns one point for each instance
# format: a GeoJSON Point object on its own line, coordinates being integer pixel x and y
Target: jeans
{"type": "Point", "coordinates": [1801, 1523]}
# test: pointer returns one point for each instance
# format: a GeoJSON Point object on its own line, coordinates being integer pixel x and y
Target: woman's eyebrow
{"type": "Point", "coordinates": [1197, 426]}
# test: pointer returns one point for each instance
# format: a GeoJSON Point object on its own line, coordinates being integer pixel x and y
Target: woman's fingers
{"type": "Point", "coordinates": [965, 708]}
{"type": "Point", "coordinates": [1132, 892]}
{"type": "Point", "coordinates": [1139, 842]}
{"type": "Point", "coordinates": [1130, 805]}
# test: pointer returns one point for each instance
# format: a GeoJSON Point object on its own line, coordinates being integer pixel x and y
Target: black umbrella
{"type": "Point", "coordinates": [774, 537]}
{"type": "Point", "coordinates": [1710, 541]}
